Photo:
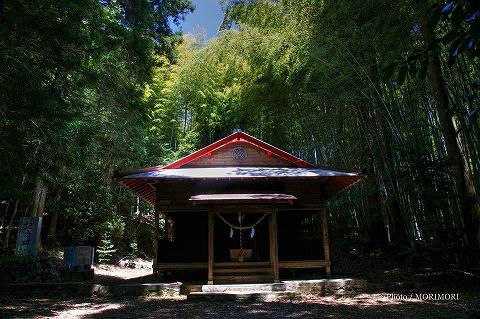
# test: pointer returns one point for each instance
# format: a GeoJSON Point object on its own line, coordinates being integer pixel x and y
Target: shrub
{"type": "Point", "coordinates": [29, 269]}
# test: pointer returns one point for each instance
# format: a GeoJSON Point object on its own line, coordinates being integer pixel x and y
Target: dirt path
{"type": "Point", "coordinates": [108, 274]}
{"type": "Point", "coordinates": [363, 306]}
{"type": "Point", "coordinates": [374, 305]}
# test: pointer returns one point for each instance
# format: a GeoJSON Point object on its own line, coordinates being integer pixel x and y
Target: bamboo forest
{"type": "Point", "coordinates": [389, 89]}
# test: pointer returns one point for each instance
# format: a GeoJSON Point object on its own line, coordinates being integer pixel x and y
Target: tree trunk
{"type": "Point", "coordinates": [376, 232]}
{"type": "Point", "coordinates": [383, 134]}
{"type": "Point", "coordinates": [398, 229]}
{"type": "Point", "coordinates": [463, 178]}
{"type": "Point", "coordinates": [52, 228]}
{"type": "Point", "coordinates": [38, 199]}
{"type": "Point", "coordinates": [6, 212]}
{"type": "Point", "coordinates": [10, 225]}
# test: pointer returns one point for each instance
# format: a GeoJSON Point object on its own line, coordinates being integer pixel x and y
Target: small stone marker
{"type": "Point", "coordinates": [78, 258]}
{"type": "Point", "coordinates": [28, 238]}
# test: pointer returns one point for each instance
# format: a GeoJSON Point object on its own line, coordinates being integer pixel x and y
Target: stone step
{"type": "Point", "coordinates": [246, 296]}
{"type": "Point", "coordinates": [240, 288]}
{"type": "Point", "coordinates": [325, 287]}
{"type": "Point", "coordinates": [91, 289]}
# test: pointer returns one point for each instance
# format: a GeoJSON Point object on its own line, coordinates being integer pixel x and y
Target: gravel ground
{"type": "Point", "coordinates": [375, 305]}
{"type": "Point", "coordinates": [362, 306]}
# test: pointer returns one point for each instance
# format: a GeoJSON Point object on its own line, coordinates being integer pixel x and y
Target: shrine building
{"type": "Point", "coordinates": [240, 211]}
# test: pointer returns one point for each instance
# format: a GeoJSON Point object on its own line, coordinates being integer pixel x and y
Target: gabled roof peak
{"type": "Point", "coordinates": [237, 136]}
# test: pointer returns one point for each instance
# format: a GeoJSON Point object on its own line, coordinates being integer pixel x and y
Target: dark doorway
{"type": "Point", "coordinates": [226, 238]}
{"type": "Point", "coordinates": [190, 239]}
{"type": "Point", "coordinates": [299, 236]}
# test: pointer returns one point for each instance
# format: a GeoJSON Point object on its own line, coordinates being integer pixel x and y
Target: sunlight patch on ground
{"type": "Point", "coordinates": [361, 306]}
{"type": "Point", "coordinates": [121, 272]}
{"type": "Point", "coordinates": [85, 309]}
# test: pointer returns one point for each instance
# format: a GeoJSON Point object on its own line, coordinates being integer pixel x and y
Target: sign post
{"type": "Point", "coordinates": [78, 263]}
{"type": "Point", "coordinates": [28, 238]}
{"type": "Point", "coordinates": [78, 258]}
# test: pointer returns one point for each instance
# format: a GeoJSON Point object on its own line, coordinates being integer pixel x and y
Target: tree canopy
{"type": "Point", "coordinates": [387, 87]}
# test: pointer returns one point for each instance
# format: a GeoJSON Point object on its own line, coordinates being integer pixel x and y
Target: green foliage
{"type": "Point", "coordinates": [133, 249]}
{"type": "Point", "coordinates": [315, 78]}
{"type": "Point", "coordinates": [29, 269]}
{"type": "Point", "coordinates": [460, 21]}
{"type": "Point", "coordinates": [73, 77]}
{"type": "Point", "coordinates": [106, 85]}
{"type": "Point", "coordinates": [106, 249]}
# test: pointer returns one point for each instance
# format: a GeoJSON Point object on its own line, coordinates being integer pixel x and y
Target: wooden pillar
{"type": "Point", "coordinates": [156, 239]}
{"type": "Point", "coordinates": [326, 241]}
{"type": "Point", "coordinates": [273, 240]}
{"type": "Point", "coordinates": [210, 246]}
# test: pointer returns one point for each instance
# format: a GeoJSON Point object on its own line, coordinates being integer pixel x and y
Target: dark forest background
{"type": "Point", "coordinates": [388, 87]}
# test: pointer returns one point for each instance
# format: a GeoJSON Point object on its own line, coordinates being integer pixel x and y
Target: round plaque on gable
{"type": "Point", "coordinates": [239, 154]}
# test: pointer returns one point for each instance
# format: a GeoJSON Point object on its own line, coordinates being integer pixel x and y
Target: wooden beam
{"type": "Point", "coordinates": [156, 239]}
{"type": "Point", "coordinates": [210, 246]}
{"type": "Point", "coordinates": [272, 225]}
{"type": "Point", "coordinates": [326, 241]}
{"type": "Point", "coordinates": [242, 198]}
{"type": "Point", "coordinates": [172, 208]}
{"type": "Point", "coordinates": [186, 206]}
{"type": "Point", "coordinates": [180, 266]}
{"type": "Point", "coordinates": [303, 264]}
{"type": "Point", "coordinates": [242, 264]}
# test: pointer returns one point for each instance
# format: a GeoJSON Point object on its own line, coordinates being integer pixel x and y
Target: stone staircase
{"type": "Point", "coordinates": [283, 291]}
{"type": "Point", "coordinates": [243, 292]}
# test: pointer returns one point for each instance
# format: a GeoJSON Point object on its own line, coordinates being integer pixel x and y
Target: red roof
{"type": "Point", "coordinates": [235, 137]}
{"type": "Point", "coordinates": [143, 185]}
